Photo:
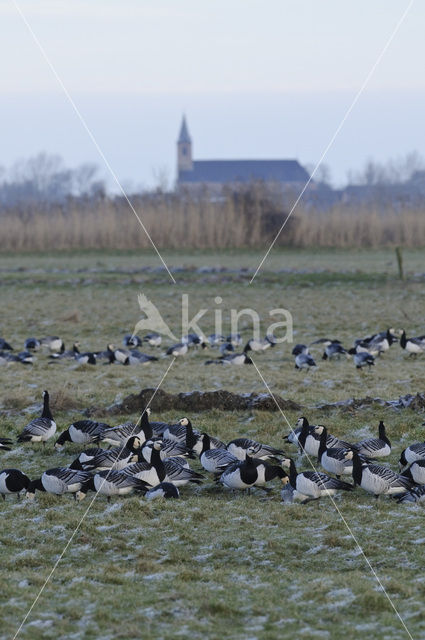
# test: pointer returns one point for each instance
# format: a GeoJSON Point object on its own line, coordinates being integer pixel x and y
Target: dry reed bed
{"type": "Point", "coordinates": [201, 223]}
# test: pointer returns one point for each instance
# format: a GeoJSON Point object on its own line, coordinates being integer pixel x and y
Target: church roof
{"type": "Point", "coordinates": [184, 133]}
{"type": "Point", "coordinates": [224, 171]}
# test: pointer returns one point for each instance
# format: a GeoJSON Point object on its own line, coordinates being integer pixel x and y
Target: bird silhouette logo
{"type": "Point", "coordinates": [153, 321]}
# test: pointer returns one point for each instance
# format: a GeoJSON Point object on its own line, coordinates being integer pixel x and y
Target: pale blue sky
{"type": "Point", "coordinates": [266, 79]}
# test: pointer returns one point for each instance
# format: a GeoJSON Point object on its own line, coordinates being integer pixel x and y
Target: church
{"type": "Point", "coordinates": [216, 173]}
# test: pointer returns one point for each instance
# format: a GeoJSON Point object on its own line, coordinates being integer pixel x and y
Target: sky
{"type": "Point", "coordinates": [255, 78]}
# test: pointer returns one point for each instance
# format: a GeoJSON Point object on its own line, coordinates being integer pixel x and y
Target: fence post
{"type": "Point", "coordinates": [399, 254]}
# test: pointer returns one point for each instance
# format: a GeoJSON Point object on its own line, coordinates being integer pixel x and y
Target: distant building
{"type": "Point", "coordinates": [215, 173]}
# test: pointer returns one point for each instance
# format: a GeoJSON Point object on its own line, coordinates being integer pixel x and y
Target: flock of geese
{"type": "Point", "coordinates": [152, 458]}
{"type": "Point", "coordinates": [364, 350]}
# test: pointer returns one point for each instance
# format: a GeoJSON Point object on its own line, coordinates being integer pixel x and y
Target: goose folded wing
{"type": "Point", "coordinates": [38, 426]}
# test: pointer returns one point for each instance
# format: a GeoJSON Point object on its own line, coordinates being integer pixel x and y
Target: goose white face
{"type": "Point", "coordinates": [300, 422]}
{"type": "Point", "coordinates": [184, 422]}
{"type": "Point", "coordinates": [285, 480]}
{"type": "Point", "coordinates": [250, 451]}
{"type": "Point", "coordinates": [148, 411]}
{"type": "Point", "coordinates": [157, 445]}
{"type": "Point", "coordinates": [318, 430]}
{"type": "Point", "coordinates": [286, 462]}
{"type": "Point", "coordinates": [30, 495]}
{"type": "Point", "coordinates": [137, 443]}
{"type": "Point", "coordinates": [348, 455]}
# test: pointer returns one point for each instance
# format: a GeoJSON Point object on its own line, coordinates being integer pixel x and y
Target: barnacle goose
{"type": "Point", "coordinates": [12, 481]}
{"type": "Point", "coordinates": [4, 444]}
{"type": "Point", "coordinates": [163, 490]}
{"type": "Point", "coordinates": [207, 443]}
{"type": "Point", "coordinates": [267, 472]}
{"type": "Point", "coordinates": [334, 460]}
{"type": "Point", "coordinates": [24, 357]}
{"type": "Point", "coordinates": [180, 474]}
{"type": "Point", "coordinates": [417, 494]}
{"type": "Point", "coordinates": [333, 350]}
{"type": "Point", "coordinates": [412, 453]}
{"type": "Point", "coordinates": [85, 358]}
{"type": "Point", "coordinates": [240, 446]}
{"type": "Point", "coordinates": [309, 439]}
{"type": "Point", "coordinates": [159, 470]}
{"type": "Point", "coordinates": [243, 474]}
{"type": "Point", "coordinates": [299, 349]}
{"type": "Point", "coordinates": [377, 479]}
{"type": "Point", "coordinates": [204, 442]}
{"type": "Point", "coordinates": [362, 358]}
{"type": "Point", "coordinates": [112, 483]}
{"type": "Point", "coordinates": [193, 340]}
{"type": "Point", "coordinates": [116, 458]}
{"type": "Point", "coordinates": [416, 472]}
{"type": "Point", "coordinates": [217, 460]}
{"type": "Point", "coordinates": [232, 358]}
{"type": "Point", "coordinates": [53, 343]}
{"type": "Point", "coordinates": [40, 429]}
{"type": "Point", "coordinates": [258, 345]}
{"type": "Point", "coordinates": [58, 481]}
{"type": "Point", "coordinates": [304, 361]}
{"type": "Point", "coordinates": [81, 432]}
{"type": "Point", "coordinates": [117, 436]}
{"type": "Point", "coordinates": [137, 357]}
{"type": "Point", "coordinates": [4, 345]}
{"type": "Point", "coordinates": [374, 447]}
{"type": "Point", "coordinates": [381, 342]}
{"type": "Point", "coordinates": [168, 449]}
{"type": "Point", "coordinates": [412, 345]}
{"type": "Point", "coordinates": [314, 484]}
{"type": "Point", "coordinates": [69, 353]}
{"type": "Point", "coordinates": [153, 339]}
{"type": "Point", "coordinates": [182, 432]}
{"type": "Point", "coordinates": [131, 341]}
{"type": "Point", "coordinates": [177, 350]}
{"type": "Point", "coordinates": [31, 344]}
{"type": "Point", "coordinates": [153, 472]}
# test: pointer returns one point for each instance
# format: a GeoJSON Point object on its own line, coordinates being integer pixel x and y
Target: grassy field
{"type": "Point", "coordinates": [214, 564]}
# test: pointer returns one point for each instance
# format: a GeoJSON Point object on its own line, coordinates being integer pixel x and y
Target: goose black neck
{"type": "Point", "coordinates": [158, 464]}
{"type": "Point", "coordinates": [305, 430]}
{"type": "Point", "coordinates": [88, 485]}
{"type": "Point", "coordinates": [293, 474]}
{"type": "Point", "coordinates": [206, 443]}
{"type": "Point", "coordinates": [322, 447]}
{"type": "Point", "coordinates": [46, 408]}
{"type": "Point", "coordinates": [35, 484]}
{"type": "Point", "coordinates": [144, 422]}
{"type": "Point", "coordinates": [382, 433]}
{"type": "Point", "coordinates": [357, 469]}
{"type": "Point", "coordinates": [190, 436]}
{"type": "Point", "coordinates": [64, 437]}
{"type": "Point", "coordinates": [403, 340]}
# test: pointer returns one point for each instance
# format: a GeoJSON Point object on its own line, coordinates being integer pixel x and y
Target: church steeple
{"type": "Point", "coordinates": [184, 149]}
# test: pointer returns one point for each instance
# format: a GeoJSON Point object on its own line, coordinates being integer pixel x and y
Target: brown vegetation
{"type": "Point", "coordinates": [247, 218]}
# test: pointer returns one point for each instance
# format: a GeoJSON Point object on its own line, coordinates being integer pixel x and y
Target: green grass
{"type": "Point", "coordinates": [214, 564]}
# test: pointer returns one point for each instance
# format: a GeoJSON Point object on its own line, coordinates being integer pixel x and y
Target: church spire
{"type": "Point", "coordinates": [184, 149]}
{"type": "Point", "coordinates": [184, 132]}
